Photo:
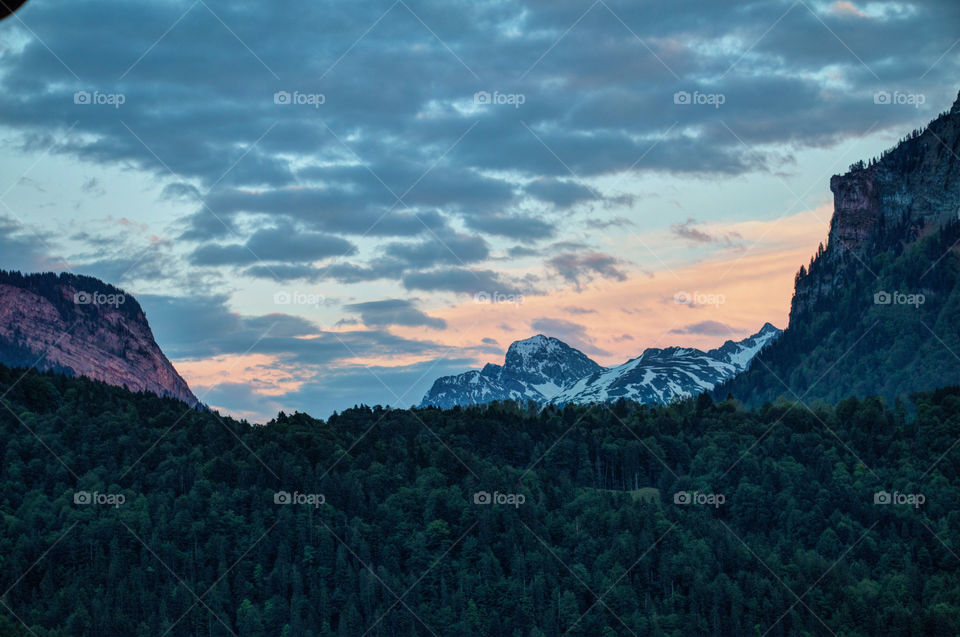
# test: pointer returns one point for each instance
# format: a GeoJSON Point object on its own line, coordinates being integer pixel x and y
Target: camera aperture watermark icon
{"type": "Point", "coordinates": [916, 500]}
{"type": "Point", "coordinates": [497, 298]}
{"type": "Point", "coordinates": [100, 499]}
{"type": "Point", "coordinates": [311, 499]}
{"type": "Point", "coordinates": [697, 498]}
{"type": "Point", "coordinates": [695, 298]}
{"type": "Point", "coordinates": [294, 297]}
{"type": "Point", "coordinates": [99, 298]}
{"type": "Point", "coordinates": [507, 499]}
{"type": "Point", "coordinates": [898, 298]}
{"type": "Point", "coordinates": [486, 98]}
{"type": "Point", "coordinates": [96, 98]}
{"type": "Point", "coordinates": [899, 98]}
{"type": "Point", "coordinates": [684, 98]}
{"type": "Point", "coordinates": [296, 98]}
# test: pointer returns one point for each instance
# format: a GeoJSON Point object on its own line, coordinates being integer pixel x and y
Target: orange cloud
{"type": "Point", "coordinates": [266, 375]}
{"type": "Point", "coordinates": [741, 289]}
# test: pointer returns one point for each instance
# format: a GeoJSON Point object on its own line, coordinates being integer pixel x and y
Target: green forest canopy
{"type": "Point", "coordinates": [403, 541]}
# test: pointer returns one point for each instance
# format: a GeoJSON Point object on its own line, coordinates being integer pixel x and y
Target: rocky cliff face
{"type": "Point", "coordinates": [889, 202]}
{"type": "Point", "coordinates": [81, 326]}
{"type": "Point", "coordinates": [916, 183]}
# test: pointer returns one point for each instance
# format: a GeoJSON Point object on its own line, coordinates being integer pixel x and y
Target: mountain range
{"type": "Point", "coordinates": [545, 370]}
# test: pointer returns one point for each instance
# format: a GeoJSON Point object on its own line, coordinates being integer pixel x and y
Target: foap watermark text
{"type": "Point", "coordinates": [509, 499]}
{"type": "Point", "coordinates": [311, 499]}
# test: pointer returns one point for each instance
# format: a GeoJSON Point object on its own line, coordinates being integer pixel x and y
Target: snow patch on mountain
{"type": "Point", "coordinates": [547, 370]}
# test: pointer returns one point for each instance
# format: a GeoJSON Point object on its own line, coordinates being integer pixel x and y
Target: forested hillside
{"type": "Point", "coordinates": [855, 337]}
{"type": "Point", "coordinates": [129, 514]}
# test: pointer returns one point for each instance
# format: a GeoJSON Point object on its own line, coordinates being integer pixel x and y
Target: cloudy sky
{"type": "Point", "coordinates": [332, 203]}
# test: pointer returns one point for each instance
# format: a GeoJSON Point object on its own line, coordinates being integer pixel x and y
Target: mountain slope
{"type": "Point", "coordinates": [664, 375]}
{"type": "Point", "coordinates": [544, 369]}
{"type": "Point", "coordinates": [875, 311]}
{"type": "Point", "coordinates": [78, 325]}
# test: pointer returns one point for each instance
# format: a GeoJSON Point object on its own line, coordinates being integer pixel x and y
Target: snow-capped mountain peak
{"type": "Point", "coordinates": [547, 370]}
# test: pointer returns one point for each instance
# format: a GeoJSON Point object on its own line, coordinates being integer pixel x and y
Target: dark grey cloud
{"type": "Point", "coordinates": [180, 191]}
{"type": "Point", "coordinates": [462, 281]}
{"type": "Point", "coordinates": [705, 328]}
{"type": "Point", "coordinates": [583, 267]}
{"type": "Point", "coordinates": [597, 100]}
{"type": "Point", "coordinates": [561, 193]}
{"type": "Point", "coordinates": [448, 248]}
{"type": "Point", "coordinates": [275, 244]}
{"type": "Point", "coordinates": [522, 251]}
{"type": "Point", "coordinates": [213, 329]}
{"type": "Point", "coordinates": [23, 249]}
{"type": "Point", "coordinates": [335, 209]}
{"type": "Point", "coordinates": [394, 312]}
{"type": "Point", "coordinates": [520, 227]}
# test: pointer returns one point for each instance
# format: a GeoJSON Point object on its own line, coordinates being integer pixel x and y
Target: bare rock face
{"type": "Point", "coordinates": [79, 325]}
{"type": "Point", "coordinates": [856, 208]}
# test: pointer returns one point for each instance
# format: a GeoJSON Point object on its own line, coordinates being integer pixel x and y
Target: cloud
{"type": "Point", "coordinates": [449, 248]}
{"type": "Point", "coordinates": [275, 244]}
{"type": "Point", "coordinates": [394, 312]}
{"type": "Point", "coordinates": [462, 281]}
{"type": "Point", "coordinates": [23, 249]}
{"type": "Point", "coordinates": [708, 328]}
{"type": "Point", "coordinates": [846, 8]}
{"type": "Point", "coordinates": [579, 268]}
{"type": "Point", "coordinates": [573, 309]}
{"type": "Point", "coordinates": [93, 187]}
{"type": "Point", "coordinates": [214, 330]}
{"type": "Point", "coordinates": [515, 226]}
{"type": "Point", "coordinates": [688, 232]}
{"type": "Point", "coordinates": [180, 191]}
{"type": "Point", "coordinates": [560, 192]}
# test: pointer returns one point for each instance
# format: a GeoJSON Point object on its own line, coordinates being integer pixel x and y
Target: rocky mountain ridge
{"type": "Point", "coordinates": [545, 370]}
{"type": "Point", "coordinates": [78, 325]}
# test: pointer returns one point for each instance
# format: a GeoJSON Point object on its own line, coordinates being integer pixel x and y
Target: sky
{"type": "Point", "coordinates": [323, 204]}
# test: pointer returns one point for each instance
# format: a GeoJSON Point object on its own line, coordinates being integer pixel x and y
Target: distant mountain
{"type": "Point", "coordinates": [875, 312]}
{"type": "Point", "coordinates": [79, 325]}
{"type": "Point", "coordinates": [534, 369]}
{"type": "Point", "coordinates": [546, 370]}
{"type": "Point", "coordinates": [664, 375]}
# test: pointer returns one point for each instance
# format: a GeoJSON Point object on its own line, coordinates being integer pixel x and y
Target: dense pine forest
{"type": "Point", "coordinates": [128, 514]}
